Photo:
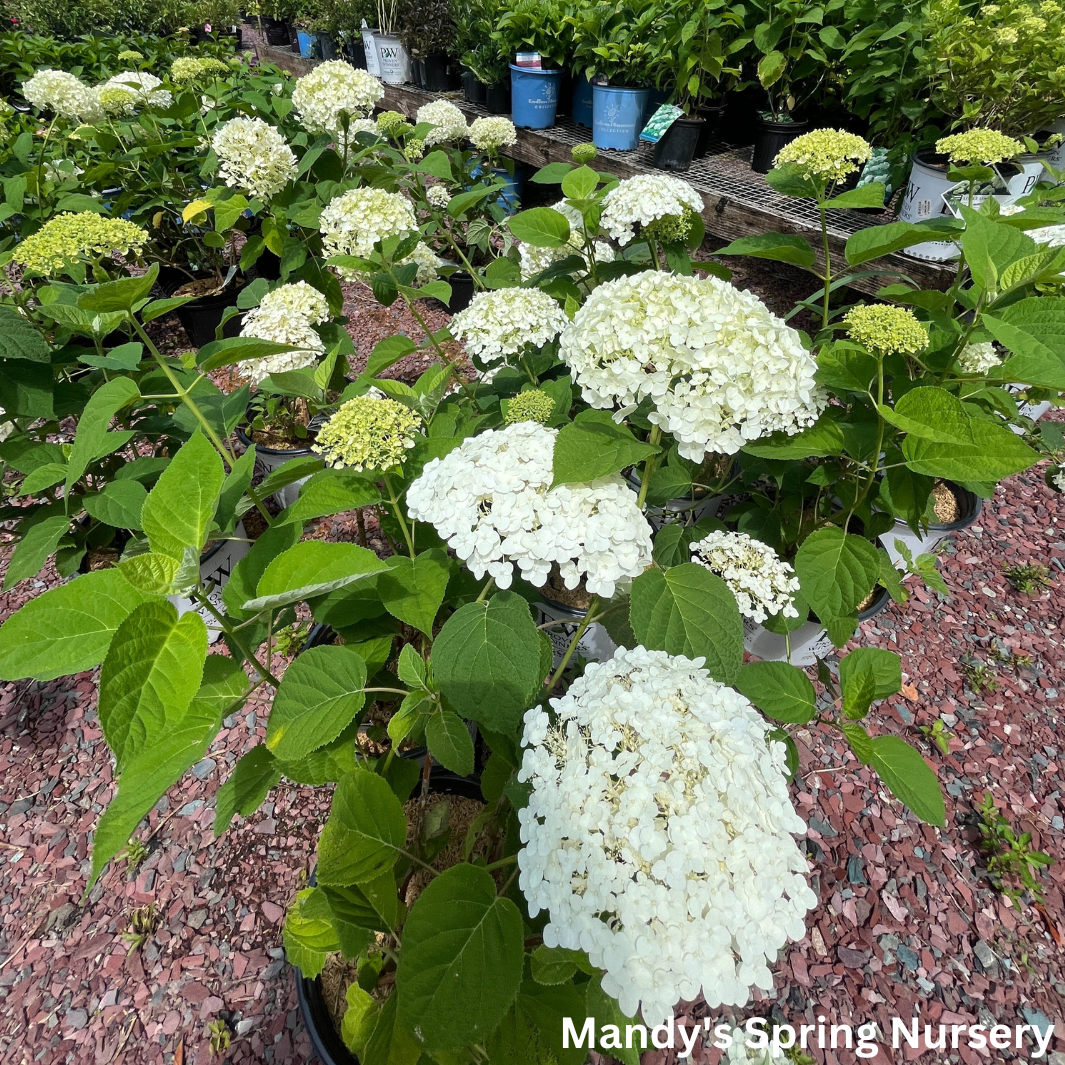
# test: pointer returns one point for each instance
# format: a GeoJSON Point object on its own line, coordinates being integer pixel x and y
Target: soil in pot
{"type": "Point", "coordinates": [772, 136]}
{"type": "Point", "coordinates": [945, 504]}
{"type": "Point", "coordinates": [556, 591]}
{"type": "Point", "coordinates": [676, 148]}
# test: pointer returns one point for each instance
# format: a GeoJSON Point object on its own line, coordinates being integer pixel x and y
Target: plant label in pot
{"type": "Point", "coordinates": [216, 566]}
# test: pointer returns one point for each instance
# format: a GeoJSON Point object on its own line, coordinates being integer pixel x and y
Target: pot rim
{"type": "Point", "coordinates": [247, 441]}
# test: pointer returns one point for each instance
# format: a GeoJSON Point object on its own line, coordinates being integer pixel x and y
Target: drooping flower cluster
{"type": "Point", "coordinates": [534, 260]}
{"type": "Point", "coordinates": [254, 156]}
{"type": "Point", "coordinates": [286, 315]}
{"type": "Point", "coordinates": [645, 199]}
{"type": "Point", "coordinates": [332, 90]}
{"type": "Point", "coordinates": [719, 367]}
{"type": "Point", "coordinates": [532, 405]}
{"type": "Point", "coordinates": [492, 133]}
{"type": "Point", "coordinates": [885, 329]}
{"type": "Point", "coordinates": [448, 120]}
{"type": "Point", "coordinates": [658, 835]}
{"type": "Point", "coordinates": [491, 499]}
{"type": "Point", "coordinates": [979, 146]}
{"type": "Point", "coordinates": [499, 324]}
{"type": "Point", "coordinates": [762, 582]}
{"type": "Point", "coordinates": [188, 69]}
{"type": "Point", "coordinates": [63, 94]}
{"type": "Point", "coordinates": [978, 358]}
{"type": "Point", "coordinates": [825, 154]}
{"type": "Point", "coordinates": [352, 223]}
{"type": "Point", "coordinates": [428, 263]}
{"type": "Point", "coordinates": [368, 432]}
{"type": "Point", "coordinates": [72, 238]}
{"type": "Point", "coordinates": [143, 86]}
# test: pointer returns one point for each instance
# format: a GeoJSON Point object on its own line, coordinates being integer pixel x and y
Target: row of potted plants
{"type": "Point", "coordinates": [609, 434]}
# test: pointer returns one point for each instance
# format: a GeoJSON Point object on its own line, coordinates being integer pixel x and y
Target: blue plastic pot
{"type": "Point", "coordinates": [533, 96]}
{"type": "Point", "coordinates": [617, 116]}
{"type": "Point", "coordinates": [308, 43]}
{"type": "Point", "coordinates": [510, 195]}
{"type": "Point", "coordinates": [581, 111]}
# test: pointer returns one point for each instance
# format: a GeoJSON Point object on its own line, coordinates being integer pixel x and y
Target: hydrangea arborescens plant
{"type": "Point", "coordinates": [761, 581]}
{"type": "Point", "coordinates": [368, 432]}
{"type": "Point", "coordinates": [253, 155]}
{"type": "Point", "coordinates": [286, 315]}
{"type": "Point", "coordinates": [333, 95]}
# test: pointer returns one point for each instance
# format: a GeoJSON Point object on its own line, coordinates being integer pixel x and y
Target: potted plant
{"type": "Point", "coordinates": [393, 58]}
{"type": "Point", "coordinates": [531, 27]}
{"type": "Point", "coordinates": [472, 29]}
{"type": "Point", "coordinates": [428, 33]}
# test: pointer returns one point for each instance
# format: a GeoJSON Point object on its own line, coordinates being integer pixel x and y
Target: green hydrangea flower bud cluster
{"type": "Point", "coordinates": [886, 330]}
{"type": "Point", "coordinates": [533, 405]}
{"type": "Point", "coordinates": [828, 154]}
{"type": "Point", "coordinates": [584, 153]}
{"type": "Point", "coordinates": [393, 124]}
{"type": "Point", "coordinates": [130, 56]}
{"type": "Point", "coordinates": [368, 433]}
{"type": "Point", "coordinates": [671, 228]}
{"type": "Point", "coordinates": [72, 238]}
{"type": "Point", "coordinates": [979, 146]}
{"type": "Point", "coordinates": [188, 69]}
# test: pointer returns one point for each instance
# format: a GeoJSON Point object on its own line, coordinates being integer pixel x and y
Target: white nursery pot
{"type": "Point", "coordinates": [680, 511]}
{"type": "Point", "coordinates": [268, 459]}
{"type": "Point", "coordinates": [595, 643]}
{"type": "Point", "coordinates": [393, 59]}
{"type": "Point", "coordinates": [922, 200]}
{"type": "Point", "coordinates": [216, 565]}
{"type": "Point", "coordinates": [370, 45]}
{"type": "Point", "coordinates": [970, 506]}
{"type": "Point", "coordinates": [809, 642]}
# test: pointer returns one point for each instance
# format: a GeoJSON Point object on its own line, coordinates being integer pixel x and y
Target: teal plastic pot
{"type": "Point", "coordinates": [533, 97]}
{"type": "Point", "coordinates": [308, 44]}
{"type": "Point", "coordinates": [617, 116]}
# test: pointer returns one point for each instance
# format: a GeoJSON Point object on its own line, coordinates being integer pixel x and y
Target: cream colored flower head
{"type": "Point", "coordinates": [492, 133]}
{"type": "Point", "coordinates": [825, 154]}
{"type": "Point", "coordinates": [144, 87]}
{"type": "Point", "coordinates": [72, 238]}
{"type": "Point", "coordinates": [645, 200]}
{"type": "Point", "coordinates": [449, 123]}
{"type": "Point", "coordinates": [368, 432]}
{"type": "Point", "coordinates": [352, 223]}
{"type": "Point", "coordinates": [979, 146]}
{"type": "Point", "coordinates": [253, 156]}
{"type": "Point", "coordinates": [63, 94]}
{"type": "Point", "coordinates": [886, 330]}
{"type": "Point", "coordinates": [532, 405]}
{"type": "Point", "coordinates": [188, 69]}
{"type": "Point", "coordinates": [332, 90]}
{"type": "Point", "coordinates": [286, 315]}
{"type": "Point", "coordinates": [130, 56]}
{"type": "Point", "coordinates": [978, 358]}
{"type": "Point", "coordinates": [393, 124]}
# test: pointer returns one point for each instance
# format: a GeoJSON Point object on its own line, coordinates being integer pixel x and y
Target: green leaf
{"type": "Point", "coordinates": [461, 964]}
{"type": "Point", "coordinates": [542, 227]}
{"type": "Point", "coordinates": [164, 757]}
{"type": "Point", "coordinates": [779, 247]}
{"type": "Point", "coordinates": [330, 492]}
{"type": "Point", "coordinates": [119, 295]}
{"type": "Point", "coordinates": [552, 174]}
{"type": "Point", "coordinates": [435, 163]}
{"type": "Point", "coordinates": [579, 184]}
{"type": "Point", "coordinates": [412, 589]}
{"type": "Point", "coordinates": [605, 1009]}
{"type": "Point", "coordinates": [1033, 330]}
{"type": "Point", "coordinates": [910, 778]}
{"type": "Point", "coordinates": [931, 414]}
{"type": "Point", "coordinates": [312, 568]}
{"type": "Point", "coordinates": [308, 935]}
{"type": "Point", "coordinates": [553, 965]}
{"type": "Point", "coordinates": [373, 905]}
{"type": "Point", "coordinates": [824, 437]}
{"type": "Point", "coordinates": [841, 367]}
{"type": "Point", "coordinates": [119, 504]}
{"type": "Point", "coordinates": [836, 571]}
{"type": "Point", "coordinates": [151, 573]}
{"type": "Point", "coordinates": [20, 338]}
{"type": "Point", "coordinates": [995, 453]}
{"type": "Point", "coordinates": [237, 349]}
{"type": "Point", "coordinates": [68, 629]}
{"type": "Point", "coordinates": [320, 694]}
{"type": "Point", "coordinates": [860, 740]}
{"type": "Point", "coordinates": [179, 509]}
{"type": "Point", "coordinates": [686, 610]}
{"type": "Point", "coordinates": [390, 1043]}
{"type": "Point", "coordinates": [771, 68]}
{"type": "Point", "coordinates": [42, 477]}
{"type": "Point", "coordinates": [486, 660]}
{"type": "Point", "coordinates": [858, 691]}
{"type": "Point", "coordinates": [33, 550]}
{"type": "Point", "coordinates": [885, 667]}
{"type": "Point", "coordinates": [450, 743]}
{"type": "Point", "coordinates": [387, 352]}
{"type": "Point", "coordinates": [246, 574]}
{"type": "Point", "coordinates": [153, 669]}
{"type": "Point", "coordinates": [93, 439]}
{"type": "Point", "coordinates": [871, 194]}
{"type": "Point", "coordinates": [411, 667]}
{"type": "Point", "coordinates": [871, 243]}
{"type": "Point", "coordinates": [595, 446]}
{"type": "Point", "coordinates": [244, 791]}
{"type": "Point", "coordinates": [780, 690]}
{"type": "Point", "coordinates": [364, 833]}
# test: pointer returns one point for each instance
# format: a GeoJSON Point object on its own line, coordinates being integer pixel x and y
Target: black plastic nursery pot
{"type": "Point", "coordinates": [473, 87]}
{"type": "Point", "coordinates": [277, 33]}
{"type": "Point", "coordinates": [881, 601]}
{"type": "Point", "coordinates": [771, 137]}
{"type": "Point", "coordinates": [294, 39]}
{"type": "Point", "coordinates": [462, 290]}
{"type": "Point", "coordinates": [327, 46]}
{"type": "Point", "coordinates": [969, 507]}
{"type": "Point", "coordinates": [676, 148]}
{"type": "Point", "coordinates": [434, 73]}
{"type": "Point", "coordinates": [201, 316]}
{"type": "Point", "coordinates": [711, 116]}
{"type": "Point", "coordinates": [356, 52]}
{"type": "Point", "coordinates": [497, 98]}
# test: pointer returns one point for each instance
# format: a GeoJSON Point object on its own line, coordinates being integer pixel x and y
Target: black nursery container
{"type": "Point", "coordinates": [711, 115]}
{"type": "Point", "coordinates": [201, 316]}
{"type": "Point", "coordinates": [497, 98]}
{"type": "Point", "coordinates": [677, 146]}
{"type": "Point", "coordinates": [434, 73]}
{"type": "Point", "coordinates": [473, 87]}
{"type": "Point", "coordinates": [772, 136]}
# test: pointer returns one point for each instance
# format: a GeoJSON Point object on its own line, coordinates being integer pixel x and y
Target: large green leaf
{"type": "Point", "coordinates": [153, 668]}
{"type": "Point", "coordinates": [780, 690]}
{"type": "Point", "coordinates": [331, 492]}
{"type": "Point", "coordinates": [531, 1033]}
{"type": "Point", "coordinates": [931, 414]}
{"type": "Point", "coordinates": [486, 660]}
{"type": "Point", "coordinates": [542, 227]}
{"type": "Point", "coordinates": [320, 694]}
{"type": "Point", "coordinates": [875, 241]}
{"type": "Point", "coordinates": [165, 756]}
{"type": "Point", "coordinates": [1034, 332]}
{"type": "Point", "coordinates": [461, 964]}
{"type": "Point", "coordinates": [824, 437]}
{"type": "Point", "coordinates": [885, 668]}
{"type": "Point", "coordinates": [780, 247]}
{"type": "Point", "coordinates": [255, 773]}
{"type": "Point", "coordinates": [686, 610]}
{"type": "Point", "coordinates": [594, 446]}
{"type": "Point", "coordinates": [67, 629]}
{"type": "Point", "coordinates": [312, 568]}
{"type": "Point", "coordinates": [118, 504]}
{"type": "Point", "coordinates": [93, 438]}
{"type": "Point", "coordinates": [450, 743]}
{"type": "Point", "coordinates": [38, 542]}
{"type": "Point", "coordinates": [309, 935]}
{"type": "Point", "coordinates": [910, 778]}
{"type": "Point", "coordinates": [246, 574]}
{"type": "Point", "coordinates": [179, 509]}
{"type": "Point", "coordinates": [365, 831]}
{"type": "Point", "coordinates": [412, 589]}
{"type": "Point", "coordinates": [20, 338]}
{"type": "Point", "coordinates": [836, 571]}
{"type": "Point", "coordinates": [994, 453]}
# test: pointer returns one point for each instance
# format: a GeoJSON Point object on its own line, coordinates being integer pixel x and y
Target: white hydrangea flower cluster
{"type": "Point", "coordinates": [978, 358]}
{"type": "Point", "coordinates": [500, 323]}
{"type": "Point", "coordinates": [428, 263]}
{"type": "Point", "coordinates": [492, 133]}
{"type": "Point", "coordinates": [534, 260]}
{"type": "Point", "coordinates": [353, 222]}
{"type": "Point", "coordinates": [644, 199]}
{"type": "Point", "coordinates": [438, 196]}
{"type": "Point", "coordinates": [64, 94]}
{"type": "Point", "coordinates": [762, 582]}
{"type": "Point", "coordinates": [1058, 477]}
{"type": "Point", "coordinates": [331, 90]}
{"type": "Point", "coordinates": [254, 156]}
{"type": "Point", "coordinates": [491, 499]}
{"type": "Point", "coordinates": [286, 315]}
{"type": "Point", "coordinates": [143, 86]}
{"type": "Point", "coordinates": [658, 833]}
{"type": "Point", "coordinates": [720, 368]}
{"type": "Point", "coordinates": [448, 120]}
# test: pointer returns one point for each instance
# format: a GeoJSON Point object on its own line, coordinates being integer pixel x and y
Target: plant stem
{"type": "Point", "coordinates": [444, 357]}
{"type": "Point", "coordinates": [398, 510]}
{"type": "Point", "coordinates": [828, 262]}
{"type": "Point", "coordinates": [585, 622]}
{"type": "Point", "coordinates": [649, 466]}
{"type": "Point", "coordinates": [486, 589]}
{"type": "Point", "coordinates": [241, 646]}
{"type": "Point", "coordinates": [501, 863]}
